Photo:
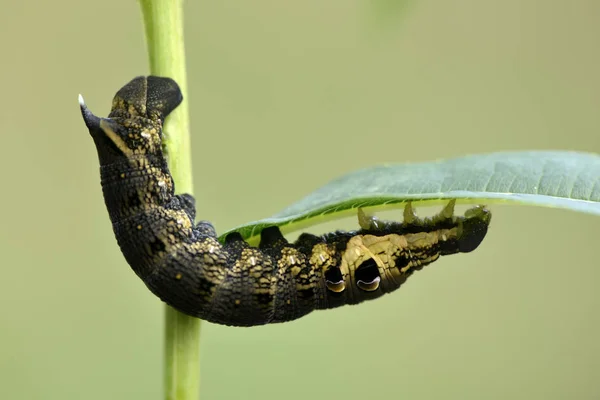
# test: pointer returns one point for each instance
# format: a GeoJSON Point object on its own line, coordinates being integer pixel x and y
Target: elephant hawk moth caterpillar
{"type": "Point", "coordinates": [233, 283]}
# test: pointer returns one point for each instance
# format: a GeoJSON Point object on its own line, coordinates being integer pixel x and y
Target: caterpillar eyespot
{"type": "Point", "coordinates": [233, 283]}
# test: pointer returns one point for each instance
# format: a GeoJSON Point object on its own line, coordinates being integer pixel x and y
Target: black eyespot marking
{"type": "Point", "coordinates": [334, 280]}
{"type": "Point", "coordinates": [233, 283]}
{"type": "Point", "coordinates": [367, 276]}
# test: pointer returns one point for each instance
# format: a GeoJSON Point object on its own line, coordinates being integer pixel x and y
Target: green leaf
{"type": "Point", "coordinates": [544, 178]}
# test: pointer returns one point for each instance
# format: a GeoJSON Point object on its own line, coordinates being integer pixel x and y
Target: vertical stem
{"type": "Point", "coordinates": [163, 20]}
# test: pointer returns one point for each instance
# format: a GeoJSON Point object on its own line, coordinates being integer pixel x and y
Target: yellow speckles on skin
{"type": "Point", "coordinates": [178, 221]}
{"type": "Point", "coordinates": [178, 276]}
{"type": "Point", "coordinates": [238, 302]}
{"type": "Point", "coordinates": [322, 256]}
{"type": "Point", "coordinates": [257, 273]}
{"type": "Point", "coordinates": [293, 259]}
{"type": "Point", "coordinates": [304, 287]}
{"type": "Point", "coordinates": [208, 245]}
{"type": "Point", "coordinates": [288, 301]}
{"type": "Point", "coordinates": [142, 163]}
{"type": "Point", "coordinates": [139, 227]}
{"type": "Point", "coordinates": [132, 110]}
{"type": "Point", "coordinates": [122, 175]}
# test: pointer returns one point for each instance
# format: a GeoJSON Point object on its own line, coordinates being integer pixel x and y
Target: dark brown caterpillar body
{"type": "Point", "coordinates": [233, 283]}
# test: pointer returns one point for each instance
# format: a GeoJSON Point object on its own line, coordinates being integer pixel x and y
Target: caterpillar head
{"type": "Point", "coordinates": [473, 228]}
{"type": "Point", "coordinates": [134, 125]}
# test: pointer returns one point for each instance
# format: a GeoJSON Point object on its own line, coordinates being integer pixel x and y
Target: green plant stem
{"type": "Point", "coordinates": [163, 20]}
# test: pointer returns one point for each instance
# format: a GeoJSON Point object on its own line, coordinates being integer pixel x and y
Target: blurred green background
{"type": "Point", "coordinates": [284, 97]}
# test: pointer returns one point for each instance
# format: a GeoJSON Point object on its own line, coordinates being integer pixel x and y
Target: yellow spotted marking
{"type": "Point", "coordinates": [139, 227]}
{"type": "Point", "coordinates": [178, 276]}
{"type": "Point", "coordinates": [237, 302]}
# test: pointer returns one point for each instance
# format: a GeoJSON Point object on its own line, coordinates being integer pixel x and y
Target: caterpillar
{"type": "Point", "coordinates": [233, 283]}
